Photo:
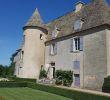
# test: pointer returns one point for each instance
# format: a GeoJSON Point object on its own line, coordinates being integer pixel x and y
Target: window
{"type": "Point", "coordinates": [76, 65]}
{"type": "Point", "coordinates": [76, 44]}
{"type": "Point", "coordinates": [76, 80]}
{"type": "Point", "coordinates": [21, 55]}
{"type": "Point", "coordinates": [78, 24]}
{"type": "Point", "coordinates": [41, 36]}
{"type": "Point", "coordinates": [23, 42]}
{"type": "Point", "coordinates": [53, 49]}
{"type": "Point", "coordinates": [55, 32]}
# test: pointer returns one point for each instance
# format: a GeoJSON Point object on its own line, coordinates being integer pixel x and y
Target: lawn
{"type": "Point", "coordinates": [28, 94]}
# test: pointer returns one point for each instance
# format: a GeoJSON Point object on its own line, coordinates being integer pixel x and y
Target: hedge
{"type": "Point", "coordinates": [72, 94]}
{"type": "Point", "coordinates": [22, 79]}
{"type": "Point", "coordinates": [13, 84]}
{"type": "Point", "coordinates": [106, 85]}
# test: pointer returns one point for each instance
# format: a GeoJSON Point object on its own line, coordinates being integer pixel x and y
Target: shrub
{"type": "Point", "coordinates": [21, 79]}
{"type": "Point", "coordinates": [13, 84]}
{"type": "Point", "coordinates": [58, 82]}
{"type": "Point", "coordinates": [66, 77]}
{"type": "Point", "coordinates": [43, 74]}
{"type": "Point", "coordinates": [106, 85]}
{"type": "Point", "coordinates": [72, 94]}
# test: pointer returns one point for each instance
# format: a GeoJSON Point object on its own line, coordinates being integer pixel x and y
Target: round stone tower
{"type": "Point", "coordinates": [34, 46]}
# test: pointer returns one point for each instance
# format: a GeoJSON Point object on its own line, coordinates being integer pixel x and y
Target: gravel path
{"type": "Point", "coordinates": [86, 91]}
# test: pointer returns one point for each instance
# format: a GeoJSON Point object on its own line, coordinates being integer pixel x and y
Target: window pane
{"type": "Point", "coordinates": [78, 43]}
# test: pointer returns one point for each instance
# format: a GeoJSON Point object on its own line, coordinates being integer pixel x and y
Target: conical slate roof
{"type": "Point", "coordinates": [93, 14]}
{"type": "Point", "coordinates": [35, 20]}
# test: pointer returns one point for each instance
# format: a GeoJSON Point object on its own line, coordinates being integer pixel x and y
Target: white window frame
{"type": "Point", "coordinates": [53, 49]}
{"type": "Point", "coordinates": [76, 44]}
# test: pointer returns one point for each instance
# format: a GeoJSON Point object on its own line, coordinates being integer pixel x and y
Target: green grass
{"type": "Point", "coordinates": [28, 94]}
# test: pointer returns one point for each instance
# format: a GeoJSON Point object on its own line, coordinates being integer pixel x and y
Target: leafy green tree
{"type": "Point", "coordinates": [11, 69]}
{"type": "Point", "coordinates": [1, 70]}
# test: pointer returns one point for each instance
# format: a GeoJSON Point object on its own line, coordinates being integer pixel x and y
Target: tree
{"type": "Point", "coordinates": [1, 70]}
{"type": "Point", "coordinates": [11, 69]}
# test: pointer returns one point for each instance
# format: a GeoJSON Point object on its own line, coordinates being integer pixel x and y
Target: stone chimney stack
{"type": "Point", "coordinates": [79, 6]}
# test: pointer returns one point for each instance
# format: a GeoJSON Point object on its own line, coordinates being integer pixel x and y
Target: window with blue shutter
{"type": "Point", "coordinates": [76, 44]}
{"type": "Point", "coordinates": [76, 65]}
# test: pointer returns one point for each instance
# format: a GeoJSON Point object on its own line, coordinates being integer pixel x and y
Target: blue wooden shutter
{"type": "Point", "coordinates": [55, 49]}
{"type": "Point", "coordinates": [50, 49]}
{"type": "Point", "coordinates": [81, 43]}
{"type": "Point", "coordinates": [71, 45]}
{"type": "Point", "coordinates": [76, 64]}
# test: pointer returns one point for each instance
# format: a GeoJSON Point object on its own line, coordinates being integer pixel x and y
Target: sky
{"type": "Point", "coordinates": [15, 13]}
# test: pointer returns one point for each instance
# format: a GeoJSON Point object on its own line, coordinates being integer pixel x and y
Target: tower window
{"type": "Point", "coordinates": [41, 36]}
{"type": "Point", "coordinates": [23, 39]}
{"type": "Point", "coordinates": [21, 55]}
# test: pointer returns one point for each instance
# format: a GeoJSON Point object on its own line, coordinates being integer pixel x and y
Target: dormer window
{"type": "Point", "coordinates": [55, 32]}
{"type": "Point", "coordinates": [78, 25]}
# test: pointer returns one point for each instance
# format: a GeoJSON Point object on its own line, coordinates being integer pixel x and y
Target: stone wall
{"type": "Point", "coordinates": [95, 60]}
{"type": "Point", "coordinates": [64, 58]}
{"type": "Point", "coordinates": [33, 53]}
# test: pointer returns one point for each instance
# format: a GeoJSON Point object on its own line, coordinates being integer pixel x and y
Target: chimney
{"type": "Point", "coordinates": [79, 5]}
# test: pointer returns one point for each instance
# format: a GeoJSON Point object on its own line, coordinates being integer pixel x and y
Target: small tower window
{"type": "Point", "coordinates": [23, 42]}
{"type": "Point", "coordinates": [41, 36]}
{"type": "Point", "coordinates": [21, 55]}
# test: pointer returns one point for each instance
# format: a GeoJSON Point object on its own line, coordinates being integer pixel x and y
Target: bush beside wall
{"type": "Point", "coordinates": [76, 95]}
{"type": "Point", "coordinates": [106, 85]}
{"type": "Point", "coordinates": [43, 74]}
{"type": "Point", "coordinates": [22, 79]}
{"type": "Point", "coordinates": [64, 77]}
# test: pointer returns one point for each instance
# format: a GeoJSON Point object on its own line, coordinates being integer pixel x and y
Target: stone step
{"type": "Point", "coordinates": [46, 81]}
